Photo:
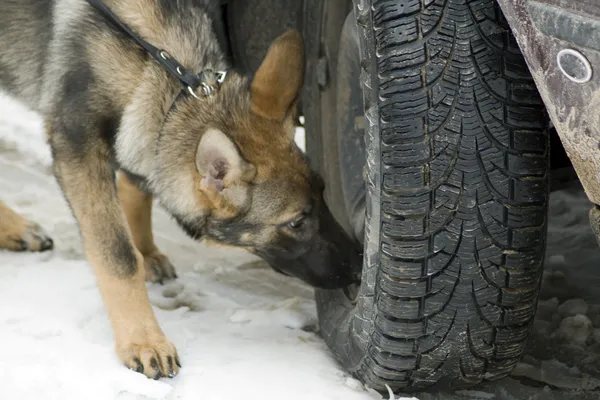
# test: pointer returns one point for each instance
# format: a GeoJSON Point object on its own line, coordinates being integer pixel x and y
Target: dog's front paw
{"type": "Point", "coordinates": [155, 359]}
{"type": "Point", "coordinates": [158, 267]}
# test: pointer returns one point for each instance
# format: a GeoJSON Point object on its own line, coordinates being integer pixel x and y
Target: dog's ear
{"type": "Point", "coordinates": [219, 161]}
{"type": "Point", "coordinates": [279, 78]}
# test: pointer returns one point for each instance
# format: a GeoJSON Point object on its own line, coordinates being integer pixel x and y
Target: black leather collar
{"type": "Point", "coordinates": [208, 80]}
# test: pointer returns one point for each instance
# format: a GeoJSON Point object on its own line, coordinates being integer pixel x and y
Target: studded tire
{"type": "Point", "coordinates": [456, 199]}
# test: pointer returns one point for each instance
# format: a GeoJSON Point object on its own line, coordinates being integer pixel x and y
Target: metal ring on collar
{"type": "Point", "coordinates": [221, 76]}
{"type": "Point", "coordinates": [192, 92]}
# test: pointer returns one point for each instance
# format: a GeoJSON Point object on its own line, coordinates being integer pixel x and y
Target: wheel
{"type": "Point", "coordinates": [449, 193]}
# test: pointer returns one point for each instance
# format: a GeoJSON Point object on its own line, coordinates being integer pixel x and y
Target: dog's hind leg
{"type": "Point", "coordinates": [138, 209]}
{"type": "Point", "coordinates": [19, 234]}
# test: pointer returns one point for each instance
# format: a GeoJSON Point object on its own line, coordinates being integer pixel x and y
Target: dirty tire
{"type": "Point", "coordinates": [457, 198]}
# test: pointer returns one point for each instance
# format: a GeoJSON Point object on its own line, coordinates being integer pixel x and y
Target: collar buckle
{"type": "Point", "coordinates": [210, 81]}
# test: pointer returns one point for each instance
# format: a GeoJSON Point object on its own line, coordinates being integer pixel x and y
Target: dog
{"type": "Point", "coordinates": [112, 80]}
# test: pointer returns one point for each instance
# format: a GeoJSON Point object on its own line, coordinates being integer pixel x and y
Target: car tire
{"type": "Point", "coordinates": [456, 179]}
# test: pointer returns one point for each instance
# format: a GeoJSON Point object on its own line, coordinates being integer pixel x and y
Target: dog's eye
{"type": "Point", "coordinates": [297, 223]}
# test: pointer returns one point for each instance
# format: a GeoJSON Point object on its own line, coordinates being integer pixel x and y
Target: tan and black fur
{"type": "Point", "coordinates": [225, 167]}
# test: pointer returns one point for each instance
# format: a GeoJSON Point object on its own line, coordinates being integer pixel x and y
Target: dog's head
{"type": "Point", "coordinates": [236, 176]}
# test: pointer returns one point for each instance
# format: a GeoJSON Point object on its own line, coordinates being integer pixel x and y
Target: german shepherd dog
{"type": "Point", "coordinates": [220, 158]}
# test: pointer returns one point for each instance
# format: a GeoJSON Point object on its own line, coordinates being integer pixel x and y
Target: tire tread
{"type": "Point", "coordinates": [464, 192]}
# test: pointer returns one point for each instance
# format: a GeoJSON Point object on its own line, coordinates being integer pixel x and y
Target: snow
{"type": "Point", "coordinates": [242, 331]}
{"type": "Point", "coordinates": [572, 307]}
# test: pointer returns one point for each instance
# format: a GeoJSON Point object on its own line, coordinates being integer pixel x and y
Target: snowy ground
{"type": "Point", "coordinates": [241, 330]}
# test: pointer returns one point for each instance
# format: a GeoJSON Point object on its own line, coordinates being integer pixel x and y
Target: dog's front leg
{"type": "Point", "coordinates": [88, 182]}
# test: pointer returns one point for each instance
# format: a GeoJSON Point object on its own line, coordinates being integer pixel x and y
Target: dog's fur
{"type": "Point", "coordinates": [226, 167]}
